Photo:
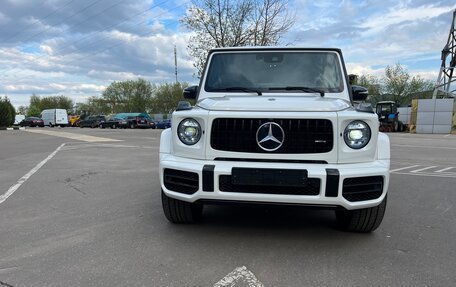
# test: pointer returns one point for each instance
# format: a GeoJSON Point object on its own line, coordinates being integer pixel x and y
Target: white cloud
{"type": "Point", "coordinates": [396, 16]}
{"type": "Point", "coordinates": [3, 18]}
{"type": "Point", "coordinates": [47, 49]}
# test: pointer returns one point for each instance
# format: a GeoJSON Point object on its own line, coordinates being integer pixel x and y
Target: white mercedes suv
{"type": "Point", "coordinates": [276, 126]}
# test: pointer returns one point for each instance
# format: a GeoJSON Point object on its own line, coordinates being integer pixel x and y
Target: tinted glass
{"type": "Point", "coordinates": [264, 70]}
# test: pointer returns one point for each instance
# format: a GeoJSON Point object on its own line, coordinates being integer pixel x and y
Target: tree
{"type": "Point", "coordinates": [373, 86]}
{"type": "Point", "coordinates": [167, 96]}
{"type": "Point", "coordinates": [37, 104]}
{"type": "Point", "coordinates": [400, 85]}
{"type": "Point", "coordinates": [93, 106]}
{"type": "Point", "coordinates": [223, 23]}
{"type": "Point", "coordinates": [128, 96]}
{"type": "Point", "coordinates": [22, 110]}
{"type": "Point", "coordinates": [7, 112]}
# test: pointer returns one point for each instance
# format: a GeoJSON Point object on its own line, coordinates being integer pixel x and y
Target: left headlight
{"type": "Point", "coordinates": [357, 134]}
{"type": "Point", "coordinates": [189, 131]}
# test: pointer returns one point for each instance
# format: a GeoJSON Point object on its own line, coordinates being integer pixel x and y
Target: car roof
{"type": "Point", "coordinates": [272, 48]}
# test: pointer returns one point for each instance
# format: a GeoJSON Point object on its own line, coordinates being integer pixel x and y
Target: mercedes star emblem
{"type": "Point", "coordinates": [270, 136]}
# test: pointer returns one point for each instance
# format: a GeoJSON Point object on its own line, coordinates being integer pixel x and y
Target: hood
{"type": "Point", "coordinates": [274, 104]}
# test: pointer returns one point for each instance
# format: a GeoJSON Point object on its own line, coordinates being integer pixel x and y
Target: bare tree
{"type": "Point", "coordinates": [225, 23]}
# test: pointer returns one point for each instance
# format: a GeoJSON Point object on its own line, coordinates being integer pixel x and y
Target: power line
{"type": "Point", "coordinates": [121, 43]}
{"type": "Point", "coordinates": [104, 29]}
{"type": "Point", "coordinates": [112, 26]}
{"type": "Point", "coordinates": [116, 45]}
{"type": "Point", "coordinates": [55, 24]}
{"type": "Point", "coordinates": [45, 17]}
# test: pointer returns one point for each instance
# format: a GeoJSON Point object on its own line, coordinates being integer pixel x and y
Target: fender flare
{"type": "Point", "coordinates": [166, 143]}
{"type": "Point", "coordinates": [383, 146]}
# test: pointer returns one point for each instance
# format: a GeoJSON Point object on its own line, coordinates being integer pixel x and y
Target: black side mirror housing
{"type": "Point", "coordinates": [359, 93]}
{"type": "Point", "coordinates": [190, 92]}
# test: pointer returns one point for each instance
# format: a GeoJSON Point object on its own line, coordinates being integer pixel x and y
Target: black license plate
{"type": "Point", "coordinates": [268, 176]}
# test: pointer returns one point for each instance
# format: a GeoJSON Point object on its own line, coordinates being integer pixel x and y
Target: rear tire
{"type": "Point", "coordinates": [178, 211]}
{"type": "Point", "coordinates": [361, 220]}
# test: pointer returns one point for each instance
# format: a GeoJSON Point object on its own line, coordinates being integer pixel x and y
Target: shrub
{"type": "Point", "coordinates": [7, 112]}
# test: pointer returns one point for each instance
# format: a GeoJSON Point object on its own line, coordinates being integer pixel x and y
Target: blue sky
{"type": "Point", "coordinates": [78, 47]}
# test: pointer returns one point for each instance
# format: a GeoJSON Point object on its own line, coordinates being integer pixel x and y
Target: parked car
{"type": "Point", "coordinates": [92, 121]}
{"type": "Point", "coordinates": [163, 124]}
{"type": "Point", "coordinates": [18, 119]}
{"type": "Point", "coordinates": [32, 122]}
{"type": "Point", "coordinates": [140, 122]}
{"type": "Point", "coordinates": [114, 123]}
{"type": "Point", "coordinates": [55, 117]}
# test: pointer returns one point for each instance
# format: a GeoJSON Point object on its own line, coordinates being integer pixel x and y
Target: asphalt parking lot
{"type": "Point", "coordinates": [81, 207]}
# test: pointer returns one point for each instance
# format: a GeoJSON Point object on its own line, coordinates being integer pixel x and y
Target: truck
{"type": "Point", "coordinates": [388, 117]}
{"type": "Point", "coordinates": [55, 117]}
{"type": "Point", "coordinates": [280, 126]}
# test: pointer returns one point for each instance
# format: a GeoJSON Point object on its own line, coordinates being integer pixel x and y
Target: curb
{"type": "Point", "coordinates": [13, 128]}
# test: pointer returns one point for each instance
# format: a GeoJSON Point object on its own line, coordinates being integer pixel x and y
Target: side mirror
{"type": "Point", "coordinates": [190, 92]}
{"type": "Point", "coordinates": [359, 93]}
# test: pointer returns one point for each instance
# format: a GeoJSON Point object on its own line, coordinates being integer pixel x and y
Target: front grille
{"type": "Point", "coordinates": [302, 136]}
{"type": "Point", "coordinates": [362, 188]}
{"type": "Point", "coordinates": [311, 188]}
{"type": "Point", "coordinates": [181, 181]}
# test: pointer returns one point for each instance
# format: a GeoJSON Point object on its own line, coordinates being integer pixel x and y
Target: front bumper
{"type": "Point", "coordinates": [331, 190]}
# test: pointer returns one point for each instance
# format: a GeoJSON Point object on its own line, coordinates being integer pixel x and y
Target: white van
{"type": "Point", "coordinates": [18, 119]}
{"type": "Point", "coordinates": [55, 117]}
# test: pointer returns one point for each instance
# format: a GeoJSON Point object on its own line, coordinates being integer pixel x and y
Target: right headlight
{"type": "Point", "coordinates": [357, 134]}
{"type": "Point", "coordinates": [189, 131]}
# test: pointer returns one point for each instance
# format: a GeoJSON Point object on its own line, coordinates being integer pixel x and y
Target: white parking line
{"type": "Point", "coordinates": [428, 174]}
{"type": "Point", "coordinates": [240, 276]}
{"type": "Point", "coordinates": [402, 168]}
{"type": "Point", "coordinates": [420, 146]}
{"type": "Point", "coordinates": [72, 136]}
{"type": "Point", "coordinates": [23, 179]}
{"type": "Point", "coordinates": [424, 168]}
{"type": "Point", "coordinates": [444, 169]}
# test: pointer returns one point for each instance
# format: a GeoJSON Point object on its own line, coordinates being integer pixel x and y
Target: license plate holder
{"type": "Point", "coordinates": [268, 176]}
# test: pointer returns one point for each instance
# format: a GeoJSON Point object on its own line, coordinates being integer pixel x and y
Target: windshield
{"type": "Point", "coordinates": [270, 71]}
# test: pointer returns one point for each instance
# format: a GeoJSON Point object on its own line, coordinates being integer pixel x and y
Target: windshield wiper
{"type": "Point", "coordinates": [304, 89]}
{"type": "Point", "coordinates": [243, 89]}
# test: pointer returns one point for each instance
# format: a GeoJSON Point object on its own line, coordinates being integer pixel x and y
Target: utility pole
{"type": "Point", "coordinates": [175, 62]}
{"type": "Point", "coordinates": [446, 75]}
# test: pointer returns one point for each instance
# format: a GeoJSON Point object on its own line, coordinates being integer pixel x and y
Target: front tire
{"type": "Point", "coordinates": [361, 220]}
{"type": "Point", "coordinates": [178, 211]}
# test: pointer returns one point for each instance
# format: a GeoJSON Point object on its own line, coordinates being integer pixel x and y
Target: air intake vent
{"type": "Point", "coordinates": [301, 136]}
{"type": "Point", "coordinates": [181, 181]}
{"type": "Point", "coordinates": [312, 187]}
{"type": "Point", "coordinates": [362, 188]}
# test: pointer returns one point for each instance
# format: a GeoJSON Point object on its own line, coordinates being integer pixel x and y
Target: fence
{"type": "Point", "coordinates": [432, 116]}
